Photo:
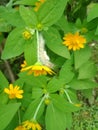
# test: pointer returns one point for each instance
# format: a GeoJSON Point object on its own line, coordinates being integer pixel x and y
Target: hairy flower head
{"type": "Point", "coordinates": [38, 69]}
{"type": "Point", "coordinates": [27, 34]}
{"type": "Point", "coordinates": [74, 41]}
{"type": "Point", "coordinates": [38, 4]}
{"type": "Point", "coordinates": [30, 125]}
{"type": "Point", "coordinates": [14, 92]}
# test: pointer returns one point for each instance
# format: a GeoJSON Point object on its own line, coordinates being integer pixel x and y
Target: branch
{"type": "Point", "coordinates": [8, 67]}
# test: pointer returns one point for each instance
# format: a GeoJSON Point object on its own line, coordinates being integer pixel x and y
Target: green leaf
{"type": "Point", "coordinates": [72, 94]}
{"type": "Point", "coordinates": [14, 121]}
{"type": "Point", "coordinates": [51, 11]}
{"type": "Point", "coordinates": [81, 56]}
{"type": "Point", "coordinates": [55, 44]}
{"type": "Point", "coordinates": [87, 70]}
{"type": "Point", "coordinates": [14, 45]}
{"type": "Point", "coordinates": [25, 2]}
{"type": "Point", "coordinates": [29, 16]}
{"type": "Point", "coordinates": [63, 105]}
{"type": "Point", "coordinates": [92, 13]}
{"type": "Point", "coordinates": [91, 25]}
{"type": "Point", "coordinates": [88, 93]}
{"type": "Point", "coordinates": [40, 81]}
{"type": "Point", "coordinates": [65, 25]}
{"type": "Point", "coordinates": [4, 25]}
{"type": "Point", "coordinates": [82, 84]}
{"type": "Point", "coordinates": [54, 85]}
{"type": "Point", "coordinates": [37, 92]}
{"type": "Point", "coordinates": [96, 33]}
{"type": "Point", "coordinates": [3, 81]}
{"type": "Point", "coordinates": [7, 112]}
{"type": "Point", "coordinates": [69, 121]}
{"type": "Point", "coordinates": [30, 51]}
{"type": "Point", "coordinates": [53, 115]}
{"type": "Point", "coordinates": [66, 73]}
{"type": "Point", "coordinates": [11, 16]}
{"type": "Point", "coordinates": [3, 98]}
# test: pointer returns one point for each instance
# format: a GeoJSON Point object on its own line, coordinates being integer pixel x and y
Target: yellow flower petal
{"type": "Point", "coordinates": [31, 125]}
{"type": "Point", "coordinates": [26, 68]}
{"type": "Point", "coordinates": [38, 69]}
{"type": "Point", "coordinates": [6, 90]}
{"type": "Point", "coordinates": [24, 64]}
{"type": "Point", "coordinates": [20, 128]}
{"type": "Point", "coordinates": [38, 5]}
{"type": "Point", "coordinates": [11, 86]}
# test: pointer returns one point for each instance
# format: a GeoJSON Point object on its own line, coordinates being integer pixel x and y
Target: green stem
{"type": "Point", "coordinates": [19, 117]}
{"type": "Point", "coordinates": [35, 114]}
{"type": "Point", "coordinates": [9, 4]}
{"type": "Point", "coordinates": [68, 97]}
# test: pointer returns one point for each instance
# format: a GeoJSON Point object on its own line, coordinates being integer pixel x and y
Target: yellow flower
{"type": "Point", "coordinates": [47, 101]}
{"type": "Point", "coordinates": [20, 128]}
{"type": "Point", "coordinates": [16, 7]}
{"type": "Point", "coordinates": [24, 64]}
{"type": "Point", "coordinates": [74, 41]}
{"type": "Point", "coordinates": [27, 34]}
{"type": "Point", "coordinates": [84, 30]}
{"type": "Point", "coordinates": [78, 105]}
{"type": "Point", "coordinates": [38, 69]}
{"type": "Point", "coordinates": [14, 92]}
{"type": "Point", "coordinates": [38, 4]}
{"type": "Point", "coordinates": [30, 125]}
{"type": "Point", "coordinates": [39, 26]}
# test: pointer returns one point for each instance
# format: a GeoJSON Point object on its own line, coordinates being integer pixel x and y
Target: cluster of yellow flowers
{"type": "Point", "coordinates": [29, 125]}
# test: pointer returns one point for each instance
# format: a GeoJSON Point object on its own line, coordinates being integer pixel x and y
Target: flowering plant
{"type": "Point", "coordinates": [53, 43]}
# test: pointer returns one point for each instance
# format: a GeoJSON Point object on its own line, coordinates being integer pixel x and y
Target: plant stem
{"type": "Point", "coordinates": [9, 4]}
{"type": "Point", "coordinates": [19, 116]}
{"type": "Point", "coordinates": [8, 67]}
{"type": "Point", "coordinates": [68, 97]}
{"type": "Point", "coordinates": [35, 114]}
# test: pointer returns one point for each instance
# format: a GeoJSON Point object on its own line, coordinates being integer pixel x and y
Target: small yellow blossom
{"type": "Point", "coordinates": [20, 128]}
{"type": "Point", "coordinates": [74, 41]}
{"type": "Point", "coordinates": [61, 91]}
{"type": "Point", "coordinates": [30, 125]}
{"type": "Point", "coordinates": [38, 4]}
{"type": "Point", "coordinates": [38, 69]}
{"type": "Point", "coordinates": [16, 7]}
{"type": "Point", "coordinates": [39, 26]}
{"type": "Point", "coordinates": [84, 30]}
{"type": "Point", "coordinates": [78, 105]}
{"type": "Point", "coordinates": [14, 92]}
{"type": "Point", "coordinates": [47, 101]}
{"type": "Point", "coordinates": [27, 34]}
{"type": "Point", "coordinates": [24, 64]}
